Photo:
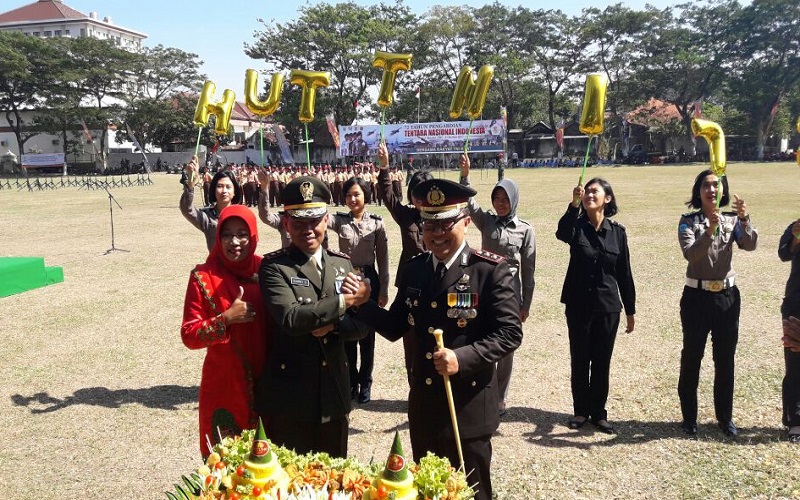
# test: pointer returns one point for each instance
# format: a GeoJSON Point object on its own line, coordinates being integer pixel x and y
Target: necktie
{"type": "Point", "coordinates": [440, 271]}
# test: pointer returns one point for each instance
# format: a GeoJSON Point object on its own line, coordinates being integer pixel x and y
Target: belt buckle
{"type": "Point", "coordinates": [715, 286]}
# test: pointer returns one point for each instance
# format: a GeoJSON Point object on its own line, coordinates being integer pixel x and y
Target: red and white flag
{"type": "Point", "coordinates": [697, 112]}
{"type": "Point", "coordinates": [419, 92]}
{"type": "Point", "coordinates": [333, 130]}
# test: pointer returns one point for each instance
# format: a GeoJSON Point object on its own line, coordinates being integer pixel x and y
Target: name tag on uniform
{"type": "Point", "coordinates": [338, 285]}
{"type": "Point", "coordinates": [300, 281]}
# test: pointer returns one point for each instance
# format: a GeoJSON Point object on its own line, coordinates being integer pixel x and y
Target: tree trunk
{"type": "Point", "coordinates": [760, 138]}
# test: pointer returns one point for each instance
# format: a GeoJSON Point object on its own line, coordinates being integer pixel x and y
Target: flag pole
{"type": "Point", "coordinates": [419, 100]}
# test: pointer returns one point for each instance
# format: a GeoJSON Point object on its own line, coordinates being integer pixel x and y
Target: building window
{"type": "Point", "coordinates": [48, 33]}
{"type": "Point", "coordinates": [83, 31]}
{"type": "Point", "coordinates": [35, 33]}
{"type": "Point", "coordinates": [66, 32]}
{"type": "Point", "coordinates": [58, 33]}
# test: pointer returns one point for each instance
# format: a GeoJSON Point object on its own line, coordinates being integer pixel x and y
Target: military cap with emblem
{"type": "Point", "coordinates": [306, 198]}
{"type": "Point", "coordinates": [441, 199]}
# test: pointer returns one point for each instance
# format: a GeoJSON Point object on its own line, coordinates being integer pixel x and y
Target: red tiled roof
{"type": "Point", "coordinates": [654, 112]}
{"type": "Point", "coordinates": [40, 11]}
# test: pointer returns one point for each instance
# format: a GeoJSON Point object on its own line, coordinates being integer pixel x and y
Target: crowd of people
{"type": "Point", "coordinates": [292, 323]}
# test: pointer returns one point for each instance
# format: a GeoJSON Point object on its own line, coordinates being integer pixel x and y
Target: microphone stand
{"type": "Point", "coordinates": [111, 211]}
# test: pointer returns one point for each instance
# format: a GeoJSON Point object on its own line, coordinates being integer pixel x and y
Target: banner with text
{"type": "Point", "coordinates": [423, 138]}
{"type": "Point", "coordinates": [43, 160]}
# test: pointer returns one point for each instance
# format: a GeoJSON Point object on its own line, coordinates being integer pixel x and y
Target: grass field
{"type": "Point", "coordinates": [98, 396]}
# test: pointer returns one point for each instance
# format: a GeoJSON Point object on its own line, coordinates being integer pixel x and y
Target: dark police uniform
{"type": "Point", "coordinates": [791, 307]}
{"type": "Point", "coordinates": [710, 303]}
{"type": "Point", "coordinates": [476, 306]}
{"type": "Point", "coordinates": [305, 387]}
{"type": "Point", "coordinates": [599, 273]}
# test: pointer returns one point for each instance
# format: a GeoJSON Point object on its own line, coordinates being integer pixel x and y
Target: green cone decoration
{"type": "Point", "coordinates": [396, 467]}
{"type": "Point", "coordinates": [260, 453]}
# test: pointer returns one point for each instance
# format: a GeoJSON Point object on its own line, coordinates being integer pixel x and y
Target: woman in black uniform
{"type": "Point", "coordinates": [789, 250]}
{"type": "Point", "coordinates": [599, 273]}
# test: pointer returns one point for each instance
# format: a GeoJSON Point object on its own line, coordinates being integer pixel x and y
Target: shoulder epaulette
{"type": "Point", "coordinates": [524, 222]}
{"type": "Point", "coordinates": [338, 254]}
{"type": "Point", "coordinates": [419, 256]}
{"type": "Point", "coordinates": [489, 256]}
{"type": "Point", "coordinates": [376, 216]}
{"type": "Point", "coordinates": [276, 253]}
{"type": "Point", "coordinates": [616, 224]}
{"type": "Point", "coordinates": [343, 214]}
{"type": "Point", "coordinates": [691, 214]}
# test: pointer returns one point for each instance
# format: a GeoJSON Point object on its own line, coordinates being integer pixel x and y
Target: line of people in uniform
{"type": "Point", "coordinates": [251, 179]}
{"type": "Point", "coordinates": [312, 302]}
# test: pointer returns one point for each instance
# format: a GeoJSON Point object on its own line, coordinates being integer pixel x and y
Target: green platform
{"type": "Point", "coordinates": [20, 274]}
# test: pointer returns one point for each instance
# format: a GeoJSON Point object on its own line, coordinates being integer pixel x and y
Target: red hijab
{"type": "Point", "coordinates": [248, 266]}
{"type": "Point", "coordinates": [227, 276]}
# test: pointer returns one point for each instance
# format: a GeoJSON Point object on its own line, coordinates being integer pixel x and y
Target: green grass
{"type": "Point", "coordinates": [114, 324]}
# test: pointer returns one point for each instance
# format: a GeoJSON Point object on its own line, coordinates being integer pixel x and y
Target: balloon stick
{"type": "Point", "coordinates": [383, 120]}
{"type": "Point", "coordinates": [197, 146]}
{"type": "Point", "coordinates": [437, 334]}
{"type": "Point", "coordinates": [466, 143]}
{"type": "Point", "coordinates": [585, 160]}
{"type": "Point", "coordinates": [308, 154]}
{"type": "Point", "coordinates": [261, 130]}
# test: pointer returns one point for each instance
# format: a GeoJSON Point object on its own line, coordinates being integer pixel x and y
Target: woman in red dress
{"type": "Point", "coordinates": [223, 313]}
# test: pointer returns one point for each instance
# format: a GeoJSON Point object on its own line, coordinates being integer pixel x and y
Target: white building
{"type": "Point", "coordinates": [53, 18]}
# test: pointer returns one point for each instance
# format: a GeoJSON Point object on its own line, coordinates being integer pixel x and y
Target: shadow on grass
{"type": "Point", "coordinates": [162, 397]}
{"type": "Point", "coordinates": [384, 406]}
{"type": "Point", "coordinates": [550, 429]}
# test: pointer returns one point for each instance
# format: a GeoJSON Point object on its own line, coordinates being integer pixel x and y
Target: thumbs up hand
{"type": "Point", "coordinates": [239, 311]}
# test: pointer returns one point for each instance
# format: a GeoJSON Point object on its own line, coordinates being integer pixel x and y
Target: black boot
{"type": "Point", "coordinates": [364, 394]}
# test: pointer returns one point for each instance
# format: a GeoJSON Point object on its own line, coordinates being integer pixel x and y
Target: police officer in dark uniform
{"type": "Point", "coordinates": [305, 389]}
{"type": "Point", "coordinates": [470, 295]}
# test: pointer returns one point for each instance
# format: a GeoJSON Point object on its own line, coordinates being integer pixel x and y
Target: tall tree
{"type": "Point", "coordinates": [102, 74]}
{"type": "Point", "coordinates": [30, 68]}
{"type": "Point", "coordinates": [688, 56]}
{"type": "Point", "coordinates": [769, 63]}
{"type": "Point", "coordinates": [557, 44]}
{"type": "Point", "coordinates": [156, 102]}
{"type": "Point", "coordinates": [340, 38]}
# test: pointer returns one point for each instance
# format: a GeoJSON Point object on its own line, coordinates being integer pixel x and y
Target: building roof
{"type": "Point", "coordinates": [655, 112]}
{"type": "Point", "coordinates": [41, 10]}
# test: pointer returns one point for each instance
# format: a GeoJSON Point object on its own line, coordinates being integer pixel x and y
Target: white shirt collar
{"type": "Point", "coordinates": [452, 258]}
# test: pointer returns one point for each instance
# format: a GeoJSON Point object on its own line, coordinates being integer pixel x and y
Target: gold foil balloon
{"type": "Point", "coordinates": [262, 108]}
{"type": "Point", "coordinates": [471, 92]}
{"type": "Point", "coordinates": [206, 105]}
{"type": "Point", "coordinates": [391, 64]}
{"type": "Point", "coordinates": [309, 81]}
{"type": "Point", "coordinates": [715, 138]}
{"type": "Point", "coordinates": [594, 104]}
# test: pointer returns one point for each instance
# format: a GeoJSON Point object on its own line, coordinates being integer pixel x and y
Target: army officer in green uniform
{"type": "Point", "coordinates": [305, 391]}
{"type": "Point", "coordinates": [469, 294]}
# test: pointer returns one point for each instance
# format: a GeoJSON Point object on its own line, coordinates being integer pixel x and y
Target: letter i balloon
{"type": "Point", "coordinates": [593, 113]}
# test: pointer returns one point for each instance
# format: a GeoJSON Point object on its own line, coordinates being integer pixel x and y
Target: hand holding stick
{"type": "Point", "coordinates": [437, 334]}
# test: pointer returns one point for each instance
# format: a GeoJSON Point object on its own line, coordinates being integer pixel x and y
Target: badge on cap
{"type": "Point", "coordinates": [435, 196]}
{"type": "Point", "coordinates": [307, 191]}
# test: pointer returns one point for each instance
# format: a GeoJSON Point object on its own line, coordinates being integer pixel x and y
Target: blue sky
{"type": "Point", "coordinates": [216, 31]}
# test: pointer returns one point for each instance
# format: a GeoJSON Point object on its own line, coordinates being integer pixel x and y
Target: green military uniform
{"type": "Point", "coordinates": [305, 387]}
